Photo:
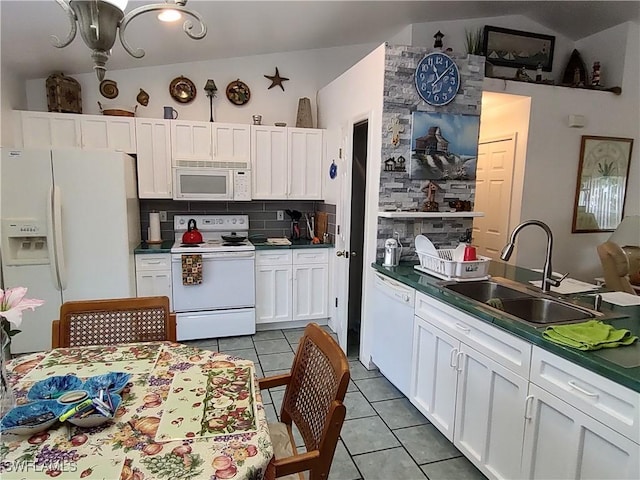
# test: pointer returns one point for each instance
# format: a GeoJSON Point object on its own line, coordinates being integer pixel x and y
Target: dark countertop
{"type": "Point", "coordinates": [166, 245]}
{"type": "Point", "coordinates": [294, 245]}
{"type": "Point", "coordinates": [144, 247]}
{"type": "Point", "coordinates": [597, 361]}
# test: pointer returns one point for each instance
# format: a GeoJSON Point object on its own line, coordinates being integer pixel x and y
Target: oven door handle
{"type": "Point", "coordinates": [219, 256]}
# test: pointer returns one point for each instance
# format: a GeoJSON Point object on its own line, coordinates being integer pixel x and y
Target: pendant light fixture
{"type": "Point", "coordinates": [99, 21]}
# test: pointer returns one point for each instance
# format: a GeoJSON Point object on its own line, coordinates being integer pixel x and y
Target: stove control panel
{"type": "Point", "coordinates": [212, 223]}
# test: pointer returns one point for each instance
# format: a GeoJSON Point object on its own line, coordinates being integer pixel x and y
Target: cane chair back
{"type": "Point", "coordinates": [114, 321]}
{"type": "Point", "coordinates": [615, 267]}
{"type": "Point", "coordinates": [313, 401]}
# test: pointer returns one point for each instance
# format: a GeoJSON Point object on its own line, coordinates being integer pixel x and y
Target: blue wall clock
{"type": "Point", "coordinates": [437, 79]}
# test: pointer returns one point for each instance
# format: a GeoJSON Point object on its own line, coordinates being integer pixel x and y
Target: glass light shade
{"type": "Point", "coordinates": [121, 4]}
{"type": "Point", "coordinates": [628, 232]}
{"type": "Point", "coordinates": [169, 15]}
{"type": "Point", "coordinates": [210, 87]}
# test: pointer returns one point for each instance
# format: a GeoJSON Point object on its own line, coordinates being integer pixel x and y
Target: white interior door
{"type": "Point", "coordinates": [494, 184]}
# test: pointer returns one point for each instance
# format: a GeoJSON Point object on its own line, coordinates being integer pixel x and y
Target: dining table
{"type": "Point", "coordinates": [186, 413]}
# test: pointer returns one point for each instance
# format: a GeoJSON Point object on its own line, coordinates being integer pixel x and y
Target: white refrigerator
{"type": "Point", "coordinates": [70, 223]}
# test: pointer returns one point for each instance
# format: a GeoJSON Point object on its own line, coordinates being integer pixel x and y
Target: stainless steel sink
{"type": "Point", "coordinates": [484, 291]}
{"type": "Point", "coordinates": [544, 311]}
{"type": "Point", "coordinates": [520, 302]}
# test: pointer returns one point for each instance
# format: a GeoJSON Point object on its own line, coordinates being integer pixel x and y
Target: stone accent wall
{"type": "Point", "coordinates": [397, 190]}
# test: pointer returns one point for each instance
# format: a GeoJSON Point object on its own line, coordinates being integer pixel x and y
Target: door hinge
{"type": "Point", "coordinates": [336, 302]}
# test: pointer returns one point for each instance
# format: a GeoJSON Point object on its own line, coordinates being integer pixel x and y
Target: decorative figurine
{"type": "Point", "coordinates": [430, 189]}
{"type": "Point", "coordinates": [396, 129]}
{"type": "Point", "coordinates": [539, 73]}
{"type": "Point", "coordinates": [438, 43]}
{"type": "Point", "coordinates": [522, 75]}
{"type": "Point", "coordinates": [400, 165]}
{"type": "Point", "coordinates": [143, 98]}
{"type": "Point", "coordinates": [595, 76]}
{"type": "Point", "coordinates": [211, 89]}
{"type": "Point", "coordinates": [389, 164]}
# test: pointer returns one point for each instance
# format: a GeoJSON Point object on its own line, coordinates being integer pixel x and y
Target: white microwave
{"type": "Point", "coordinates": [204, 183]}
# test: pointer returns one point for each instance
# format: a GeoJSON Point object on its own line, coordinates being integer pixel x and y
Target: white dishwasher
{"type": "Point", "coordinates": [393, 310]}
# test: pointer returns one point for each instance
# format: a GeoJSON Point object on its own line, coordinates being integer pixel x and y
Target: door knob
{"type": "Point", "coordinates": [353, 254]}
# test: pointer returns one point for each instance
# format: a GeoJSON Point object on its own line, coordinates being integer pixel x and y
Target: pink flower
{"type": "Point", "coordinates": [13, 302]}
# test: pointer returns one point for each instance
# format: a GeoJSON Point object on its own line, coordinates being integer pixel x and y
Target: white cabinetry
{"type": "Point", "coordinates": [579, 424]}
{"type": "Point", "coordinates": [67, 130]}
{"type": "Point", "coordinates": [459, 360]}
{"type": "Point", "coordinates": [286, 162]}
{"type": "Point", "coordinates": [191, 142]}
{"type": "Point", "coordinates": [50, 130]}
{"type": "Point", "coordinates": [231, 144]}
{"type": "Point", "coordinates": [291, 285]}
{"type": "Point", "coordinates": [108, 133]}
{"type": "Point", "coordinates": [154, 158]}
{"type": "Point", "coordinates": [274, 297]}
{"type": "Point", "coordinates": [310, 283]}
{"type": "Point", "coordinates": [153, 275]}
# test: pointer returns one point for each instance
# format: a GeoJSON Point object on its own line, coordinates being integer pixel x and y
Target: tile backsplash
{"type": "Point", "coordinates": [262, 214]}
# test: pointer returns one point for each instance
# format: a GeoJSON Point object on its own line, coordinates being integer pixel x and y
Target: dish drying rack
{"type": "Point", "coordinates": [445, 267]}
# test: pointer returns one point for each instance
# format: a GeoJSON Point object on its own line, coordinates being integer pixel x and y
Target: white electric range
{"type": "Point", "coordinates": [224, 303]}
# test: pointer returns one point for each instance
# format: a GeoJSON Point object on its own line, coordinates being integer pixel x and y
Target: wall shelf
{"type": "Point", "coordinates": [401, 214]}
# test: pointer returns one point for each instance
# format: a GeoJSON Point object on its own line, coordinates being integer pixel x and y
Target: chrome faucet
{"type": "Point", "coordinates": [547, 270]}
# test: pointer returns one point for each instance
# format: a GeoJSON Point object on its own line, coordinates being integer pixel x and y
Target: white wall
{"type": "Point", "coordinates": [307, 70]}
{"type": "Point", "coordinates": [553, 156]}
{"type": "Point", "coordinates": [598, 47]}
{"type": "Point", "coordinates": [355, 95]}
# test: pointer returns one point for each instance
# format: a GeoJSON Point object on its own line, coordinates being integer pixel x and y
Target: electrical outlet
{"type": "Point", "coordinates": [280, 215]}
{"type": "Point", "coordinates": [163, 216]}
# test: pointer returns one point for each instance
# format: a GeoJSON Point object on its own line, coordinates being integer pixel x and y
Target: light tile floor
{"type": "Point", "coordinates": [383, 437]}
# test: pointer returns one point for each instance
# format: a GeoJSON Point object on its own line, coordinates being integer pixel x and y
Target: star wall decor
{"type": "Point", "coordinates": [276, 80]}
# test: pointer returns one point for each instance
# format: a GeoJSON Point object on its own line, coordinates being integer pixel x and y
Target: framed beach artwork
{"type": "Point", "coordinates": [514, 48]}
{"type": "Point", "coordinates": [444, 146]}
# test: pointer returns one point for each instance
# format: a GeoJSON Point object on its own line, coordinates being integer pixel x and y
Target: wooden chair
{"type": "Point", "coordinates": [113, 321]}
{"type": "Point", "coordinates": [615, 267]}
{"type": "Point", "coordinates": [313, 401]}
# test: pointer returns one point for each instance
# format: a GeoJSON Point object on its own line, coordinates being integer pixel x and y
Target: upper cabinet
{"type": "Point", "coordinates": [66, 130]}
{"type": "Point", "coordinates": [191, 142]}
{"type": "Point", "coordinates": [286, 163]}
{"type": "Point", "coordinates": [154, 158]}
{"type": "Point", "coordinates": [231, 144]}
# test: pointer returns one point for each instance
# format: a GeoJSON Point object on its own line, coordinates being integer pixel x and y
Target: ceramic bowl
{"type": "Point", "coordinates": [47, 410]}
{"type": "Point", "coordinates": [112, 381]}
{"type": "Point", "coordinates": [96, 418]}
{"type": "Point", "coordinates": [53, 387]}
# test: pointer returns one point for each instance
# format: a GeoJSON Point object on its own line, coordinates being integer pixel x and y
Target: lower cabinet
{"type": "Point", "coordinates": [153, 275]}
{"type": "Point", "coordinates": [563, 442]}
{"type": "Point", "coordinates": [474, 401]}
{"type": "Point", "coordinates": [517, 411]}
{"type": "Point", "coordinates": [291, 285]}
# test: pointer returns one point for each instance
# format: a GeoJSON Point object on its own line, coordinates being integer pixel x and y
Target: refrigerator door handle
{"type": "Point", "coordinates": [51, 241]}
{"type": "Point", "coordinates": [56, 212]}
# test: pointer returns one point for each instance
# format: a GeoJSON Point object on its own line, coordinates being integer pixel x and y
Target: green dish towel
{"type": "Point", "coordinates": [590, 335]}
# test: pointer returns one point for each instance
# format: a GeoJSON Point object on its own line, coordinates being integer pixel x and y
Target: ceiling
{"type": "Point", "coordinates": [245, 28]}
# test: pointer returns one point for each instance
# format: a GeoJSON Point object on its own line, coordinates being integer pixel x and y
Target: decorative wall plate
{"type": "Point", "coordinates": [108, 88]}
{"type": "Point", "coordinates": [182, 89]}
{"type": "Point", "coordinates": [238, 92]}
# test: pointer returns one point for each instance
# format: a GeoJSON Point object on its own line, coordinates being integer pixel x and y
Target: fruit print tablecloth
{"type": "Point", "coordinates": [186, 413]}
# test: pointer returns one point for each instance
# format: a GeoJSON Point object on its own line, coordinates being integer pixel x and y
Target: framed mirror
{"type": "Point", "coordinates": [602, 183]}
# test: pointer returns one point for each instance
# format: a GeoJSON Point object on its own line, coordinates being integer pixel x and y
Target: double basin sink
{"type": "Point", "coordinates": [521, 303]}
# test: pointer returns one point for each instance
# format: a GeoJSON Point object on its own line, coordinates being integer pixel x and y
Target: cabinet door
{"type": "Point", "coordinates": [270, 176]}
{"type": "Point", "coordinates": [434, 377]}
{"type": "Point", "coordinates": [562, 442]}
{"type": "Point", "coordinates": [274, 298]}
{"type": "Point", "coordinates": [154, 158]}
{"type": "Point", "coordinates": [310, 290]}
{"type": "Point", "coordinates": [51, 130]}
{"type": "Point", "coordinates": [306, 151]}
{"type": "Point", "coordinates": [152, 283]}
{"type": "Point", "coordinates": [232, 143]}
{"type": "Point", "coordinates": [108, 133]}
{"type": "Point", "coordinates": [489, 423]}
{"type": "Point", "coordinates": [191, 142]}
